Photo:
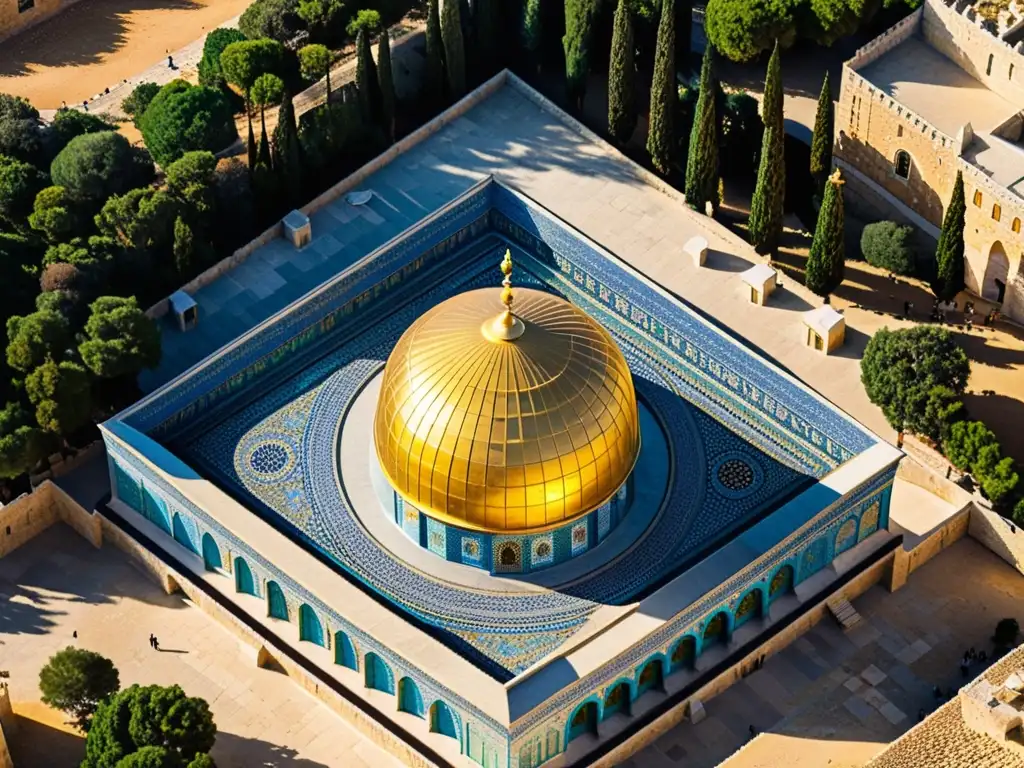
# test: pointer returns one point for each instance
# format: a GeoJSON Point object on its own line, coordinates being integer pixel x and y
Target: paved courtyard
{"type": "Point", "coordinates": [835, 698]}
{"type": "Point", "coordinates": [58, 584]}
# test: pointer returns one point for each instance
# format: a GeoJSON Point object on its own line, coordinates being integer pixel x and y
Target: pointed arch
{"type": "Point", "coordinates": [716, 631]}
{"type": "Point", "coordinates": [277, 607]}
{"type": "Point", "coordinates": [846, 536]}
{"type": "Point", "coordinates": [814, 558]}
{"type": "Point", "coordinates": [997, 270]}
{"type": "Point", "coordinates": [583, 720]}
{"type": "Point", "coordinates": [781, 583]}
{"type": "Point", "coordinates": [869, 521]}
{"type": "Point", "coordinates": [244, 582]}
{"type": "Point", "coordinates": [748, 608]}
{"type": "Point", "coordinates": [378, 674]}
{"type": "Point", "coordinates": [345, 651]}
{"type": "Point", "coordinates": [154, 509]}
{"type": "Point", "coordinates": [310, 628]}
{"type": "Point", "coordinates": [181, 533]}
{"type": "Point", "coordinates": [409, 697]}
{"type": "Point", "coordinates": [211, 554]}
{"type": "Point", "coordinates": [650, 676]}
{"type": "Point", "coordinates": [443, 720]}
{"type": "Point", "coordinates": [684, 654]}
{"type": "Point", "coordinates": [618, 698]}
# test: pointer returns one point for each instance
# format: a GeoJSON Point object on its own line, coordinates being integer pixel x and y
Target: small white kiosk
{"type": "Point", "coordinates": [697, 249]}
{"type": "Point", "coordinates": [761, 279]}
{"type": "Point", "coordinates": [297, 229]}
{"type": "Point", "coordinates": [184, 309]}
{"type": "Point", "coordinates": [826, 329]}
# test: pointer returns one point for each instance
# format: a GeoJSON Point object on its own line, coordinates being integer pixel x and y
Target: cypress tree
{"type": "Point", "coordinates": [288, 153]}
{"type": "Point", "coordinates": [251, 143]}
{"type": "Point", "coordinates": [454, 49]}
{"type": "Point", "coordinates": [661, 130]}
{"type": "Point", "coordinates": [684, 26]}
{"type": "Point", "coordinates": [579, 29]}
{"type": "Point", "coordinates": [949, 255]}
{"type": "Point", "coordinates": [702, 163]}
{"type": "Point", "coordinates": [184, 248]}
{"type": "Point", "coordinates": [622, 76]}
{"type": "Point", "coordinates": [263, 154]}
{"type": "Point", "coordinates": [826, 263]}
{"type": "Point", "coordinates": [766, 207]}
{"type": "Point", "coordinates": [531, 32]}
{"type": "Point", "coordinates": [488, 43]}
{"type": "Point", "coordinates": [821, 142]}
{"type": "Point", "coordinates": [387, 85]}
{"type": "Point", "coordinates": [435, 56]}
{"type": "Point", "coordinates": [366, 80]}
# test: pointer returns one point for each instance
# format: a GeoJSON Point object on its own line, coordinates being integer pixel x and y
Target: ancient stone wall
{"type": "Point", "coordinates": [998, 534]}
{"type": "Point", "coordinates": [32, 513]}
{"type": "Point", "coordinates": [18, 15]}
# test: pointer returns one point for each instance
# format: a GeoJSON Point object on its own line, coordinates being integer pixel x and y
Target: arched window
{"type": "Point", "coordinates": [378, 674]}
{"type": "Point", "coordinates": [683, 654]}
{"type": "Point", "coordinates": [211, 553]}
{"type": "Point", "coordinates": [244, 581]}
{"type": "Point", "coordinates": [277, 608]}
{"type": "Point", "coordinates": [310, 628]}
{"type": "Point", "coordinates": [651, 676]}
{"type": "Point", "coordinates": [749, 607]}
{"type": "Point", "coordinates": [409, 698]}
{"type": "Point", "coordinates": [181, 534]}
{"type": "Point", "coordinates": [583, 720]}
{"type": "Point", "coordinates": [977, 197]}
{"type": "Point", "coordinates": [1016, 225]}
{"type": "Point", "coordinates": [509, 555]}
{"type": "Point", "coordinates": [781, 583]}
{"type": "Point", "coordinates": [443, 720]}
{"type": "Point", "coordinates": [345, 651]}
{"type": "Point", "coordinates": [901, 167]}
{"type": "Point", "coordinates": [997, 212]}
{"type": "Point", "coordinates": [717, 630]}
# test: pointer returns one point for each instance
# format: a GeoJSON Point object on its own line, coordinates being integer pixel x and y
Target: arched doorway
{"type": "Point", "coordinates": [277, 608]}
{"type": "Point", "coordinates": [997, 269]}
{"type": "Point", "coordinates": [651, 677]}
{"type": "Point", "coordinates": [211, 553]}
{"type": "Point", "coordinates": [617, 700]}
{"type": "Point", "coordinates": [749, 608]}
{"type": "Point", "coordinates": [409, 698]}
{"type": "Point", "coordinates": [310, 628]}
{"type": "Point", "coordinates": [781, 583]}
{"type": "Point", "coordinates": [683, 654]}
{"type": "Point", "coordinates": [717, 630]}
{"type": "Point", "coordinates": [244, 581]}
{"type": "Point", "coordinates": [583, 720]}
{"type": "Point", "coordinates": [443, 720]}
{"type": "Point", "coordinates": [345, 651]}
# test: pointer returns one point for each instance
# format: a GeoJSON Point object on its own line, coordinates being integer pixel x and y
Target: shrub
{"type": "Point", "coordinates": [942, 410]}
{"type": "Point", "coordinates": [184, 117]}
{"type": "Point", "coordinates": [120, 339]}
{"type": "Point", "coordinates": [69, 123]}
{"type": "Point", "coordinates": [743, 29]}
{"type": "Point", "coordinates": [1018, 512]}
{"type": "Point", "coordinates": [888, 245]}
{"type": "Point", "coordinates": [964, 444]}
{"type": "Point", "coordinates": [53, 214]}
{"type": "Point", "coordinates": [995, 473]}
{"type": "Point", "coordinates": [95, 166]}
{"type": "Point", "coordinates": [20, 136]}
{"type": "Point", "coordinates": [61, 394]}
{"type": "Point", "coordinates": [20, 182]}
{"type": "Point", "coordinates": [245, 61]}
{"type": "Point", "coordinates": [22, 444]}
{"type": "Point", "coordinates": [1006, 633]}
{"type": "Point", "coordinates": [36, 338]}
{"type": "Point", "coordinates": [368, 20]}
{"type": "Point", "coordinates": [276, 19]}
{"type": "Point", "coordinates": [210, 72]}
{"type": "Point", "coordinates": [139, 99]}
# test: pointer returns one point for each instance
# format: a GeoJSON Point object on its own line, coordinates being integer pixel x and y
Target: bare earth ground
{"type": "Point", "coordinates": [58, 584]}
{"type": "Point", "coordinates": [814, 703]}
{"type": "Point", "coordinates": [96, 44]}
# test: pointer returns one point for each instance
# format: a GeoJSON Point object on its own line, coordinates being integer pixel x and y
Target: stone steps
{"type": "Point", "coordinates": [844, 612]}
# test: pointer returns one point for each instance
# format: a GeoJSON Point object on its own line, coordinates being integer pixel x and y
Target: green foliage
{"type": "Point", "coordinates": [387, 86]}
{"type": "Point", "coordinates": [368, 20]}
{"type": "Point", "coordinates": [138, 100]}
{"type": "Point", "coordinates": [888, 245]}
{"type": "Point", "coordinates": [766, 207]}
{"type": "Point", "coordinates": [702, 164]}
{"type": "Point", "coordinates": [314, 63]}
{"type": "Point", "coordinates": [826, 264]}
{"type": "Point", "coordinates": [20, 136]}
{"type": "Point", "coordinates": [184, 249]}
{"type": "Point", "coordinates": [454, 49]}
{"type": "Point", "coordinates": [964, 443]}
{"type": "Point", "coordinates": [93, 167]}
{"type": "Point", "coordinates": [244, 61]}
{"type": "Point", "coordinates": [830, 20]}
{"type": "Point", "coordinates": [20, 182]}
{"type": "Point", "coordinates": [210, 72]}
{"type": "Point", "coordinates": [149, 757]}
{"type": "Point", "coordinates": [622, 76]}
{"type": "Point", "coordinates": [319, 15]}
{"type": "Point", "coordinates": [821, 139]}
{"type": "Point", "coordinates": [995, 473]}
{"type": "Point", "coordinates": [75, 681]}
{"type": "Point", "coordinates": [69, 123]}
{"type": "Point", "coordinates": [434, 78]}
{"type": "Point", "coordinates": [1018, 512]}
{"type": "Point", "coordinates": [184, 117]}
{"type": "Point", "coordinates": [531, 32]}
{"type": "Point", "coordinates": [120, 339]}
{"type": "Point", "coordinates": [579, 32]}
{"type": "Point", "coordinates": [22, 444]}
{"type": "Point", "coordinates": [943, 408]}
{"type": "Point", "coordinates": [141, 219]}
{"type": "Point", "coordinates": [1007, 631]}
{"type": "Point", "coordinates": [288, 154]}
{"type": "Point", "coordinates": [53, 214]}
{"type": "Point", "coordinates": [742, 29]}
{"type": "Point", "coordinates": [900, 368]}
{"type": "Point", "coordinates": [742, 134]}
{"type": "Point", "coordinates": [150, 716]}
{"type": "Point", "coordinates": [949, 255]}
{"type": "Point", "coordinates": [661, 129]}
{"type": "Point", "coordinates": [274, 19]}
{"type": "Point", "coordinates": [33, 339]}
{"type": "Point", "coordinates": [60, 393]}
{"type": "Point", "coordinates": [233, 201]}
{"type": "Point", "coordinates": [190, 181]}
{"type": "Point", "coordinates": [267, 90]}
{"type": "Point", "coordinates": [202, 761]}
{"type": "Point", "coordinates": [367, 82]}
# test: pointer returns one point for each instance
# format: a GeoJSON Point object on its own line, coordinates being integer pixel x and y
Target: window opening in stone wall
{"type": "Point", "coordinates": [25, 5]}
{"type": "Point", "coordinates": [997, 212]}
{"type": "Point", "coordinates": [899, 131]}
{"type": "Point", "coordinates": [902, 165]}
{"type": "Point", "coordinates": [988, 69]}
{"type": "Point", "coordinates": [1010, 75]}
{"type": "Point", "coordinates": [977, 197]}
{"type": "Point", "coordinates": [1016, 225]}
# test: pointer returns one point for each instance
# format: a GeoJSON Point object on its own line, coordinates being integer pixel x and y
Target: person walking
{"type": "Point", "coordinates": [152, 640]}
{"type": "Point", "coordinates": [156, 643]}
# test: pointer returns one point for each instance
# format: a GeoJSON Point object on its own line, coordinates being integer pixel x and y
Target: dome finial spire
{"type": "Point", "coordinates": [506, 284]}
{"type": "Point", "coordinates": [506, 326]}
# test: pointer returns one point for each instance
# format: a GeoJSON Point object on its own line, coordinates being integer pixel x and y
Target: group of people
{"type": "Point", "coordinates": [971, 656]}
{"type": "Point", "coordinates": [940, 308]}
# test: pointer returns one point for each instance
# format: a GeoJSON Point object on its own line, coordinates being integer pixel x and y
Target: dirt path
{"type": "Point", "coordinates": [96, 44]}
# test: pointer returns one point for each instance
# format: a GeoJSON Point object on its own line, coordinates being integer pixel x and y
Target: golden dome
{"type": "Point", "coordinates": [506, 422]}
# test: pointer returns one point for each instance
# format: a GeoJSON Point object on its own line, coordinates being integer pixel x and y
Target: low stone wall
{"type": "Point", "coordinates": [8, 726]}
{"type": "Point", "coordinates": [998, 534]}
{"type": "Point", "coordinates": [32, 513]}
{"type": "Point", "coordinates": [907, 561]}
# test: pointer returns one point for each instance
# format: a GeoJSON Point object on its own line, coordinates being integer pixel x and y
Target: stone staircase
{"type": "Point", "coordinates": [844, 612]}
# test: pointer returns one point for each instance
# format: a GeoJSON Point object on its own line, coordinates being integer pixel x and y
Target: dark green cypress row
{"type": "Point", "coordinates": [454, 49]}
{"type": "Point", "coordinates": [488, 43]}
{"type": "Point", "coordinates": [366, 80]}
{"type": "Point", "coordinates": [579, 29]}
{"type": "Point", "coordinates": [531, 32]}
{"type": "Point", "coordinates": [661, 130]}
{"type": "Point", "coordinates": [766, 207]}
{"type": "Point", "coordinates": [435, 56]}
{"type": "Point", "coordinates": [826, 263]}
{"type": "Point", "coordinates": [288, 153]}
{"type": "Point", "coordinates": [949, 254]}
{"type": "Point", "coordinates": [387, 86]}
{"type": "Point", "coordinates": [821, 141]}
{"type": "Point", "coordinates": [263, 154]}
{"type": "Point", "coordinates": [251, 143]}
{"type": "Point", "coordinates": [622, 76]}
{"type": "Point", "coordinates": [702, 162]}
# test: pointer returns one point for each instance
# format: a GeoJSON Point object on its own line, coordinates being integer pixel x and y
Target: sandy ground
{"type": "Point", "coordinates": [96, 44]}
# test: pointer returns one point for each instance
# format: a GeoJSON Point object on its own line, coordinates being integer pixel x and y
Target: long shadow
{"type": "Point", "coordinates": [1004, 416]}
{"type": "Point", "coordinates": [79, 36]}
{"type": "Point", "coordinates": [37, 743]}
{"type": "Point", "coordinates": [232, 749]}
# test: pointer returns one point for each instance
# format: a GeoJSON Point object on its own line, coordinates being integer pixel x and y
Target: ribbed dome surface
{"type": "Point", "coordinates": [506, 435]}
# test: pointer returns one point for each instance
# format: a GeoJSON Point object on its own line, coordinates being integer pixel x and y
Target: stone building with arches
{"type": "Point", "coordinates": [515, 519]}
{"type": "Point", "coordinates": [942, 92]}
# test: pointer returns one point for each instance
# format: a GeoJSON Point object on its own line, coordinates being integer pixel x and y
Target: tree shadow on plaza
{"type": "Point", "coordinates": [37, 743]}
{"type": "Point", "coordinates": [81, 35]}
{"type": "Point", "coordinates": [1004, 416]}
{"type": "Point", "coordinates": [242, 750]}
{"type": "Point", "coordinates": [42, 578]}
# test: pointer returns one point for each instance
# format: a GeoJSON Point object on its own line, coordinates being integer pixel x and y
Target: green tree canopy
{"type": "Point", "coordinates": [22, 444]}
{"type": "Point", "coordinates": [274, 19]}
{"type": "Point", "coordinates": [900, 368]}
{"type": "Point", "coordinates": [530, 31]}
{"type": "Point", "coordinates": [622, 111]}
{"type": "Point", "coordinates": [210, 72]}
{"type": "Point", "coordinates": [435, 76]}
{"type": "Point", "coordinates": [888, 245]}
{"type": "Point", "coordinates": [367, 82]}
{"type": "Point", "coordinates": [942, 410]}
{"type": "Point", "coordinates": [965, 441]}
{"type": "Point", "coordinates": [33, 339]}
{"type": "Point", "coordinates": [315, 62]}
{"type": "Point", "coordinates": [120, 339]}
{"type": "Point", "coordinates": [183, 118]}
{"type": "Point", "coordinates": [742, 29]}
{"type": "Point", "coordinates": [365, 19]}
{"type": "Point", "coordinates": [150, 757]}
{"type": "Point", "coordinates": [826, 264]}
{"type": "Point", "coordinates": [190, 181]}
{"type": "Point", "coordinates": [454, 49]}
{"type": "Point", "coordinates": [995, 473]}
{"type": "Point", "coordinates": [69, 123]}
{"type": "Point", "coordinates": [319, 15]}
{"type": "Point", "coordinates": [267, 90]}
{"type": "Point", "coordinates": [53, 214]}
{"type": "Point", "coordinates": [702, 164]}
{"type": "Point", "coordinates": [821, 139]}
{"type": "Point", "coordinates": [150, 716]}
{"type": "Point", "coordinates": [949, 254]}
{"type": "Point", "coordinates": [141, 219]}
{"type": "Point", "coordinates": [75, 681]}
{"type": "Point", "coordinates": [767, 204]}
{"type": "Point", "coordinates": [579, 33]}
{"type": "Point", "coordinates": [387, 86]}
{"type": "Point", "coordinates": [93, 167]}
{"type": "Point", "coordinates": [664, 94]}
{"type": "Point", "coordinates": [20, 136]}
{"type": "Point", "coordinates": [20, 182]}
{"type": "Point", "coordinates": [244, 61]}
{"type": "Point", "coordinates": [184, 248]}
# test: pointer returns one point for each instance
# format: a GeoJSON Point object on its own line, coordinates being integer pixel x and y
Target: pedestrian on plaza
{"type": "Point", "coordinates": [152, 639]}
{"type": "Point", "coordinates": [75, 634]}
{"type": "Point", "coordinates": [906, 309]}
{"type": "Point", "coordinates": [170, 61]}
{"type": "Point", "coordinates": [156, 643]}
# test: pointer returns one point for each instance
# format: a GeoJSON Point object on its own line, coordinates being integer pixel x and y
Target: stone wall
{"type": "Point", "coordinates": [998, 534]}
{"type": "Point", "coordinates": [32, 513]}
{"type": "Point", "coordinates": [8, 725]}
{"type": "Point", "coordinates": [13, 21]}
